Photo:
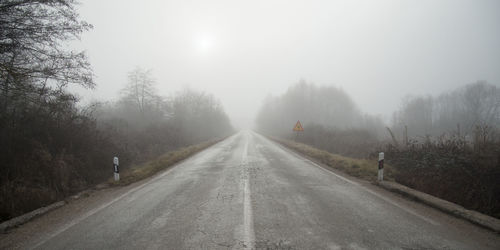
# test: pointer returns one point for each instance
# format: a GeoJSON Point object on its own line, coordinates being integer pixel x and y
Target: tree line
{"type": "Point", "coordinates": [331, 119]}
{"type": "Point", "coordinates": [471, 111]}
{"type": "Point", "coordinates": [146, 124]}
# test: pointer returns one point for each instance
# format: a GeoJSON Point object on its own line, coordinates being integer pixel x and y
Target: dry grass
{"type": "Point", "coordinates": [362, 168]}
{"type": "Point", "coordinates": [139, 172]}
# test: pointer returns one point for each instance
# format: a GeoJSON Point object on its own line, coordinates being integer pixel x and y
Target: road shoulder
{"type": "Point", "coordinates": [447, 207]}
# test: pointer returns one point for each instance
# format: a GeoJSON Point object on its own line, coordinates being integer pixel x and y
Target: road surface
{"type": "Point", "coordinates": [248, 192]}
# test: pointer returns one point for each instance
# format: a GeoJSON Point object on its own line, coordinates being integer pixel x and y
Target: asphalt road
{"type": "Point", "coordinates": [247, 192]}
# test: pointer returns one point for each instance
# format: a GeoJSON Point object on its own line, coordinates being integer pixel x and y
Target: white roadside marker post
{"type": "Point", "coordinates": [381, 166]}
{"type": "Point", "coordinates": [116, 169]}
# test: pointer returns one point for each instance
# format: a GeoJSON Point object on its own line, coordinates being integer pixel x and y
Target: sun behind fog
{"type": "Point", "coordinates": [205, 43]}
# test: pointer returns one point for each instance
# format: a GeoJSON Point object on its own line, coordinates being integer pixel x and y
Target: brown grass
{"type": "Point", "coordinates": [140, 172]}
{"type": "Point", "coordinates": [362, 168]}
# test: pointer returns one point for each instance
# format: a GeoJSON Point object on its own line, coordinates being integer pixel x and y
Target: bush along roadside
{"type": "Point", "coordinates": [452, 170]}
{"type": "Point", "coordinates": [129, 176]}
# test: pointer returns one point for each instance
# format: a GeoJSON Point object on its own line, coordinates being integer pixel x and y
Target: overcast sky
{"type": "Point", "coordinates": [241, 51]}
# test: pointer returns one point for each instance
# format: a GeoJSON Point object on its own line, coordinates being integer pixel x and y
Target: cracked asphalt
{"type": "Point", "coordinates": [248, 192]}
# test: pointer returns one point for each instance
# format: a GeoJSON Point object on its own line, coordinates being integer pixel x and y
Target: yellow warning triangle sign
{"type": "Point", "coordinates": [298, 127]}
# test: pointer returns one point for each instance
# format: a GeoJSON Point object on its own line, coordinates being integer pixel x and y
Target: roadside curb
{"type": "Point", "coordinates": [477, 218]}
{"type": "Point", "coordinates": [14, 222]}
{"type": "Point", "coordinates": [22, 219]}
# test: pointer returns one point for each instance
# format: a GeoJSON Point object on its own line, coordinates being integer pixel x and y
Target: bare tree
{"type": "Point", "coordinates": [416, 113]}
{"type": "Point", "coordinates": [481, 104]}
{"type": "Point", "coordinates": [140, 89]}
{"type": "Point", "coordinates": [31, 46]}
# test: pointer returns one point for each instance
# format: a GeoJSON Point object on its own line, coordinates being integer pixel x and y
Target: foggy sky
{"type": "Point", "coordinates": [241, 51]}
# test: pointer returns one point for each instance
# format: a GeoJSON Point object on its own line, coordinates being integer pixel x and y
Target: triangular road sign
{"type": "Point", "coordinates": [298, 127]}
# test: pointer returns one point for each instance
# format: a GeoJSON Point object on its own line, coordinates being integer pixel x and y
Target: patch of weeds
{"type": "Point", "coordinates": [363, 168]}
{"type": "Point", "coordinates": [168, 159]}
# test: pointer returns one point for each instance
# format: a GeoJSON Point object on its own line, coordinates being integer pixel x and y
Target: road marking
{"type": "Point", "coordinates": [408, 210]}
{"type": "Point", "coordinates": [248, 230]}
{"type": "Point", "coordinates": [328, 171]}
{"type": "Point", "coordinates": [403, 208]}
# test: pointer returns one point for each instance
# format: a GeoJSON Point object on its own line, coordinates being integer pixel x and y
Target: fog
{"type": "Point", "coordinates": [241, 51]}
{"type": "Point", "coordinates": [155, 82]}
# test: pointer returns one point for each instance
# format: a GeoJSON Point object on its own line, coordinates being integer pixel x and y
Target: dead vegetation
{"type": "Point", "coordinates": [142, 171]}
{"type": "Point", "coordinates": [452, 169]}
{"type": "Point", "coordinates": [362, 168]}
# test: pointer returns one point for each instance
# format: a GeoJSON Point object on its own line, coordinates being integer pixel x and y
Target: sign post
{"type": "Point", "coordinates": [298, 128]}
{"type": "Point", "coordinates": [116, 168]}
{"type": "Point", "coordinates": [381, 166]}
